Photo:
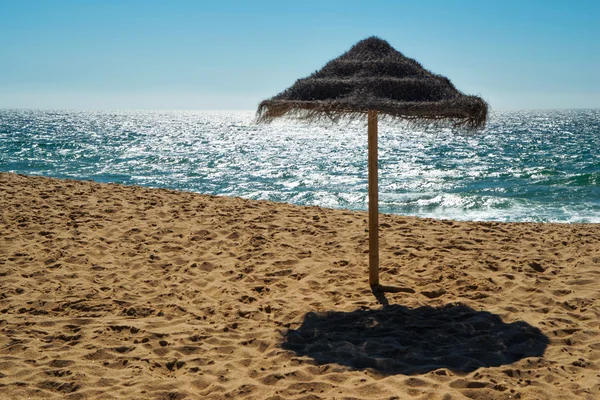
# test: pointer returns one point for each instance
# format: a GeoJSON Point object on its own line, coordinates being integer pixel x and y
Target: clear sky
{"type": "Point", "coordinates": [220, 54]}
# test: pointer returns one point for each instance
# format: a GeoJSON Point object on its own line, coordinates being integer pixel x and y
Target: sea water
{"type": "Point", "coordinates": [524, 166]}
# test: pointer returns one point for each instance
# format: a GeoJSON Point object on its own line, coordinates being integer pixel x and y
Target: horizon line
{"type": "Point", "coordinates": [246, 110]}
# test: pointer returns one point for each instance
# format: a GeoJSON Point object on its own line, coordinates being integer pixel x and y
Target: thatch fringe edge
{"type": "Point", "coordinates": [473, 116]}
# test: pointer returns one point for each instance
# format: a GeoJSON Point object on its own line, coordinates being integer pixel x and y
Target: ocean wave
{"type": "Point", "coordinates": [525, 166]}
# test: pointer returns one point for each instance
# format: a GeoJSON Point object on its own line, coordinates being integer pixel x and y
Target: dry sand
{"type": "Point", "coordinates": [110, 292]}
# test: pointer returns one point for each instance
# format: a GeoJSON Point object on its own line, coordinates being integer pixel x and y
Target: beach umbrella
{"type": "Point", "coordinates": [371, 79]}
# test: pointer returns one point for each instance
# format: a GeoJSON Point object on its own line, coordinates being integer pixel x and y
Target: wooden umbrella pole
{"type": "Point", "coordinates": [373, 202]}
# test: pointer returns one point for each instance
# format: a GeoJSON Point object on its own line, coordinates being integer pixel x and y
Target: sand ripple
{"type": "Point", "coordinates": [109, 291]}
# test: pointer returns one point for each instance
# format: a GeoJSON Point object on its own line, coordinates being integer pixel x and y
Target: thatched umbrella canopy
{"type": "Point", "coordinates": [371, 78]}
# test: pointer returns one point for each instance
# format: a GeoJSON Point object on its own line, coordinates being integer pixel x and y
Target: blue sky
{"type": "Point", "coordinates": [176, 54]}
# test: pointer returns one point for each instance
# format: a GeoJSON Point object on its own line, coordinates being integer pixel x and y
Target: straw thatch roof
{"type": "Point", "coordinates": [372, 75]}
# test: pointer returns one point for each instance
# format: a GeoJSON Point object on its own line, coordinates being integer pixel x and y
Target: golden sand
{"type": "Point", "coordinates": [109, 291]}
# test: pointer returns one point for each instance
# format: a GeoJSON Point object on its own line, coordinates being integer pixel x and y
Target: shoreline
{"type": "Point", "coordinates": [365, 212]}
{"type": "Point", "coordinates": [113, 290]}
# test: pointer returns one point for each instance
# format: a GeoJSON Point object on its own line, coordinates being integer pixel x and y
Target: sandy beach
{"type": "Point", "coordinates": [109, 291]}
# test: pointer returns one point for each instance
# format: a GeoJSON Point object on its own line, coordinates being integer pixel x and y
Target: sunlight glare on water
{"type": "Point", "coordinates": [525, 166]}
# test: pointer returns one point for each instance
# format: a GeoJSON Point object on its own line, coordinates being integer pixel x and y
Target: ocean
{"type": "Point", "coordinates": [541, 166]}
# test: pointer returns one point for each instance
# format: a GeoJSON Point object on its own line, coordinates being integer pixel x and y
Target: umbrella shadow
{"type": "Point", "coordinates": [399, 340]}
